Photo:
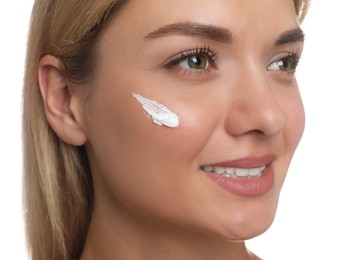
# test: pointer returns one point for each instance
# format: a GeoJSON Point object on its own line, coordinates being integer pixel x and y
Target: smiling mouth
{"type": "Point", "coordinates": [232, 172]}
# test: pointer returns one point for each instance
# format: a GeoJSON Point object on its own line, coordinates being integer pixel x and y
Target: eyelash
{"type": "Point", "coordinates": [205, 51]}
{"type": "Point", "coordinates": [293, 57]}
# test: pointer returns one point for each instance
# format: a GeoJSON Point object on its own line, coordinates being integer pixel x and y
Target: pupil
{"type": "Point", "coordinates": [197, 62]}
{"type": "Point", "coordinates": [285, 65]}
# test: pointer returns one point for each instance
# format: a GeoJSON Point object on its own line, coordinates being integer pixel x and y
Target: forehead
{"type": "Point", "coordinates": [235, 15]}
{"type": "Point", "coordinates": [256, 24]}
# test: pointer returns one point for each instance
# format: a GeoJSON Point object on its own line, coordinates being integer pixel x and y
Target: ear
{"type": "Point", "coordinates": [57, 99]}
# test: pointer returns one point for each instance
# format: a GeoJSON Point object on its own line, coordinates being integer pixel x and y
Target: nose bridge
{"type": "Point", "coordinates": [254, 106]}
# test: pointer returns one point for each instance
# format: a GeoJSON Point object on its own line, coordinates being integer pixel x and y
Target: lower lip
{"type": "Point", "coordinates": [248, 187]}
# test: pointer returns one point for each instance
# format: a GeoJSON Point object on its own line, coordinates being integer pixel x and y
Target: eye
{"type": "Point", "coordinates": [193, 60]}
{"type": "Point", "coordinates": [197, 62]}
{"type": "Point", "coordinates": [287, 63]}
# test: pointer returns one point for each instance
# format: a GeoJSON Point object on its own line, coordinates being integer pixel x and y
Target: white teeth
{"type": "Point", "coordinates": [242, 172]}
{"type": "Point", "coordinates": [207, 168]}
{"type": "Point", "coordinates": [230, 170]}
{"type": "Point", "coordinates": [219, 170]}
{"type": "Point", "coordinates": [234, 172]}
{"type": "Point", "coordinates": [256, 171]}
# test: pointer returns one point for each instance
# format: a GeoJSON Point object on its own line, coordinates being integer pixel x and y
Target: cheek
{"type": "Point", "coordinates": [296, 122]}
{"type": "Point", "coordinates": [147, 167]}
{"type": "Point", "coordinates": [292, 133]}
{"type": "Point", "coordinates": [134, 154]}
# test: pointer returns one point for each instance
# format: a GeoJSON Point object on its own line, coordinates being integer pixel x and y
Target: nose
{"type": "Point", "coordinates": [254, 107]}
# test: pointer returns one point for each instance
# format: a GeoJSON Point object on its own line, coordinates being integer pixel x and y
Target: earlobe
{"type": "Point", "coordinates": [57, 100]}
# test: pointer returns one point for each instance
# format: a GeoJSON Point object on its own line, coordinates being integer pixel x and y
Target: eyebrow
{"type": "Point", "coordinates": [216, 33]}
{"type": "Point", "coordinates": [194, 30]}
{"type": "Point", "coordinates": [295, 35]}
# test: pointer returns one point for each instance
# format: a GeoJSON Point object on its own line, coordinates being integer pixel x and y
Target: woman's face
{"type": "Point", "coordinates": [226, 69]}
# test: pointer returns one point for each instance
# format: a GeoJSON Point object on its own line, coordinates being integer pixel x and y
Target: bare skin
{"type": "Point", "coordinates": [153, 198]}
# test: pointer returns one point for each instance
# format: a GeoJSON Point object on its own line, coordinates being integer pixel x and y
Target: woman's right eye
{"type": "Point", "coordinates": [195, 60]}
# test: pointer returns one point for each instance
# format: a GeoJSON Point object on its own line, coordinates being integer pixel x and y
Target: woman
{"type": "Point", "coordinates": [158, 135]}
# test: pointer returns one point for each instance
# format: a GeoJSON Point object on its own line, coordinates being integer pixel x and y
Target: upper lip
{"type": "Point", "coordinates": [247, 162]}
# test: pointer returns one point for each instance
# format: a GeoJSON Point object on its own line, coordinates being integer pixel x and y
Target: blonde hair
{"type": "Point", "coordinates": [302, 7]}
{"type": "Point", "coordinates": [58, 191]}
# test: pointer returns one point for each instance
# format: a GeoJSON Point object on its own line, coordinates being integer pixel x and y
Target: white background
{"type": "Point", "coordinates": [306, 225]}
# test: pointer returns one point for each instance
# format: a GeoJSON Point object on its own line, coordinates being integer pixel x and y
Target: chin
{"type": "Point", "coordinates": [245, 225]}
{"type": "Point", "coordinates": [245, 231]}
{"type": "Point", "coordinates": [250, 231]}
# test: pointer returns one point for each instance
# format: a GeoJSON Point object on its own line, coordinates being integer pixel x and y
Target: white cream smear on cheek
{"type": "Point", "coordinates": [160, 114]}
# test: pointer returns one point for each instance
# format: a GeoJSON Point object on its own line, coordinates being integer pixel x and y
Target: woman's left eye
{"type": "Point", "coordinates": [285, 64]}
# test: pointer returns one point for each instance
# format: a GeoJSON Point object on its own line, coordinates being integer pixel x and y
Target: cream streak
{"type": "Point", "coordinates": [160, 114]}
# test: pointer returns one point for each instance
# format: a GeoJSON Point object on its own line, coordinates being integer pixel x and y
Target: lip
{"type": "Point", "coordinates": [247, 187]}
{"type": "Point", "coordinates": [247, 162]}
